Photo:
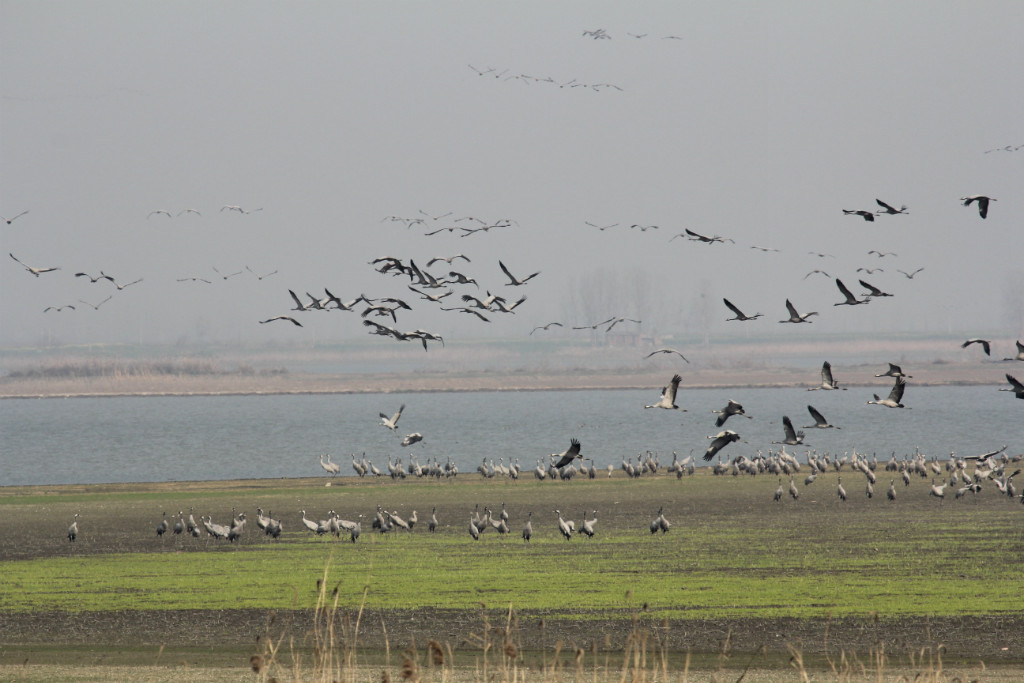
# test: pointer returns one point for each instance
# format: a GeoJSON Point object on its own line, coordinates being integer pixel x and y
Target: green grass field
{"type": "Point", "coordinates": [733, 555]}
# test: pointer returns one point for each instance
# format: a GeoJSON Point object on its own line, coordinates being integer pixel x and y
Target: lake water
{"type": "Point", "coordinates": [133, 439]}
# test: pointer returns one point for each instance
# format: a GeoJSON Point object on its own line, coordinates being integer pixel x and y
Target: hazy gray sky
{"type": "Point", "coordinates": [760, 123]}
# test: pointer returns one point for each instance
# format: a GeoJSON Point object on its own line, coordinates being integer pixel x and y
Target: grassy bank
{"type": "Point", "coordinates": [819, 574]}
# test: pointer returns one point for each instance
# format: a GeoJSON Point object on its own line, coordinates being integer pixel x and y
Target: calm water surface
{"type": "Point", "coordinates": [132, 439]}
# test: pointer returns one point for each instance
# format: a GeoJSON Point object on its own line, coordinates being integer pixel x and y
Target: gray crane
{"type": "Point", "coordinates": [588, 525]}
{"type": "Point", "coordinates": [179, 526]}
{"type": "Point", "coordinates": [730, 409]}
{"type": "Point", "coordinates": [840, 490]}
{"type": "Point", "coordinates": [392, 422]}
{"type": "Point", "coordinates": [1020, 352]}
{"type": "Point", "coordinates": [819, 420]}
{"type": "Point", "coordinates": [850, 299]}
{"type": "Point", "coordinates": [660, 523]}
{"type": "Point", "coordinates": [795, 317]}
{"type": "Point", "coordinates": [668, 395]}
{"type": "Point", "coordinates": [894, 371]}
{"type": "Point", "coordinates": [432, 524]}
{"type": "Point", "coordinates": [162, 527]}
{"type": "Point", "coordinates": [1016, 386]}
{"type": "Point", "coordinates": [891, 493]}
{"type": "Point", "coordinates": [473, 530]}
{"type": "Point", "coordinates": [528, 528]}
{"type": "Point", "coordinates": [793, 437]}
{"type": "Point", "coordinates": [566, 457]}
{"type": "Point", "coordinates": [778, 492]}
{"type": "Point", "coordinates": [982, 203]}
{"type": "Point", "coordinates": [720, 441]}
{"type": "Point", "coordinates": [895, 396]}
{"type": "Point", "coordinates": [565, 527]}
{"type": "Point", "coordinates": [739, 314]}
{"type": "Point", "coordinates": [827, 381]}
{"type": "Point", "coordinates": [73, 529]}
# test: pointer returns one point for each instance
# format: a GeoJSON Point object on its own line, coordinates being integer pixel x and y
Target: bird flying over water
{"type": "Point", "coordinates": [985, 345]}
{"type": "Point", "coordinates": [793, 437]}
{"type": "Point", "coordinates": [668, 395]}
{"type": "Point", "coordinates": [1015, 386]}
{"type": "Point", "coordinates": [392, 422]}
{"type": "Point", "coordinates": [894, 371]}
{"type": "Point", "coordinates": [819, 420]}
{"type": "Point", "coordinates": [721, 440]}
{"type": "Point", "coordinates": [895, 396]}
{"type": "Point", "coordinates": [666, 351]}
{"type": "Point", "coordinates": [827, 382]}
{"type": "Point", "coordinates": [730, 409]}
{"type": "Point", "coordinates": [567, 456]}
{"type": "Point", "coordinates": [1020, 352]}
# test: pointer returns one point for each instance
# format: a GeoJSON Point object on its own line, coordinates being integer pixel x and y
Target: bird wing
{"type": "Point", "coordinates": [792, 309]}
{"type": "Point", "coordinates": [672, 388]}
{"type": "Point", "coordinates": [733, 308]}
{"type": "Point", "coordinates": [1015, 383]}
{"type": "Point", "coordinates": [985, 345]}
{"type": "Point", "coordinates": [885, 206]}
{"type": "Point", "coordinates": [787, 426]}
{"type": "Point", "coordinates": [818, 418]}
{"type": "Point", "coordinates": [897, 390]}
{"type": "Point", "coordinates": [505, 270]}
{"type": "Point", "coordinates": [826, 373]}
{"type": "Point", "coordinates": [845, 292]}
{"type": "Point", "coordinates": [875, 291]}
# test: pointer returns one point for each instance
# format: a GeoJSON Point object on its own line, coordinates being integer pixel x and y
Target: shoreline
{"type": "Point", "coordinates": [230, 384]}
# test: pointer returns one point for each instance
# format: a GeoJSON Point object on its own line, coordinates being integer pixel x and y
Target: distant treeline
{"type": "Point", "coordinates": [115, 368]}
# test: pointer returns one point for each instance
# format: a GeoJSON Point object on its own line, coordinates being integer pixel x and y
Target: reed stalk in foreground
{"type": "Point", "coordinates": [329, 653]}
